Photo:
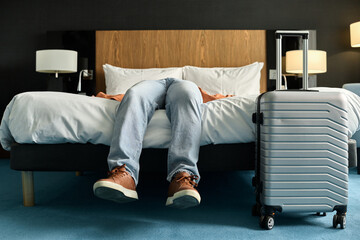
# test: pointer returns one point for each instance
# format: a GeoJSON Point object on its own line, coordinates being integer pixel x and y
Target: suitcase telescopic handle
{"type": "Point", "coordinates": [305, 36]}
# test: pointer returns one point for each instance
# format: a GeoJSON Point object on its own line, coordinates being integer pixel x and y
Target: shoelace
{"type": "Point", "coordinates": [117, 171]}
{"type": "Point", "coordinates": [190, 179]}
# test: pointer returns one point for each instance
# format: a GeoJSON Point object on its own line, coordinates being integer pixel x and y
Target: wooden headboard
{"type": "Point", "coordinates": [177, 48]}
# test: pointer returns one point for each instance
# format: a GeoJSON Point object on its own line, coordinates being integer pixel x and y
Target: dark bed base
{"type": "Point", "coordinates": [89, 157]}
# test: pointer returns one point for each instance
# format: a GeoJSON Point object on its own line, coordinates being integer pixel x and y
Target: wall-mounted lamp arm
{"type": "Point", "coordinates": [85, 73]}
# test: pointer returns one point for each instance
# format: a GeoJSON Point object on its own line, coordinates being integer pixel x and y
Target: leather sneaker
{"type": "Point", "coordinates": [118, 187]}
{"type": "Point", "coordinates": [182, 193]}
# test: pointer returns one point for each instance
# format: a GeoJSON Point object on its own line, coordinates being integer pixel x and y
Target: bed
{"type": "Point", "coordinates": [140, 50]}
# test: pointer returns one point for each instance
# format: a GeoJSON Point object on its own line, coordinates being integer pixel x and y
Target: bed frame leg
{"type": "Point", "coordinates": [28, 188]}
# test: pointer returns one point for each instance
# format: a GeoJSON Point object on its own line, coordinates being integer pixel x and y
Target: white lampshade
{"type": "Point", "coordinates": [316, 61]}
{"type": "Point", "coordinates": [56, 61]}
{"type": "Point", "coordinates": [355, 34]}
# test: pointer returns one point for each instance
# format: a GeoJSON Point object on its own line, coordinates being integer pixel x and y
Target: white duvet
{"type": "Point", "coordinates": [55, 117]}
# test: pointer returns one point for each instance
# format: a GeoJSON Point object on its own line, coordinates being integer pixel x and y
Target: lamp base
{"type": "Point", "coordinates": [55, 84]}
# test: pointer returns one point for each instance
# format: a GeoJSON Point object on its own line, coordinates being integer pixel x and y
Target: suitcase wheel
{"type": "Point", "coordinates": [339, 219]}
{"type": "Point", "coordinates": [335, 221]}
{"type": "Point", "coordinates": [267, 222]}
{"type": "Point", "coordinates": [343, 222]}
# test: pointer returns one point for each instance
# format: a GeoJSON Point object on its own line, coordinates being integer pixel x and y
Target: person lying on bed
{"type": "Point", "coordinates": [182, 101]}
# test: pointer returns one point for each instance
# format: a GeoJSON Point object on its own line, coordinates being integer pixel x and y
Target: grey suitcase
{"type": "Point", "coordinates": [302, 150]}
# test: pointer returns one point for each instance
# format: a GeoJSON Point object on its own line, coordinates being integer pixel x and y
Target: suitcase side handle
{"type": "Point", "coordinates": [305, 36]}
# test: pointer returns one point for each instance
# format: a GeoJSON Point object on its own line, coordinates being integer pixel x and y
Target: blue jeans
{"type": "Point", "coordinates": [182, 101]}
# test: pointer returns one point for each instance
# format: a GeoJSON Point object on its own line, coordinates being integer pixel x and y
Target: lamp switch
{"type": "Point", "coordinates": [272, 74]}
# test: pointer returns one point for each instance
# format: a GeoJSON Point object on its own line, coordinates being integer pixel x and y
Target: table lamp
{"type": "Point", "coordinates": [56, 61]}
{"type": "Point", "coordinates": [294, 63]}
{"type": "Point", "coordinates": [355, 34]}
{"type": "Point", "coordinates": [316, 61]}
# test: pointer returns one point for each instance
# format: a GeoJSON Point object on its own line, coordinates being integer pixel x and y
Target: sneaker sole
{"type": "Point", "coordinates": [184, 199]}
{"type": "Point", "coordinates": [114, 192]}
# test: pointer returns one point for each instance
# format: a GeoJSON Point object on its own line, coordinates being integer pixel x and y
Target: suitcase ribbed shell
{"type": "Point", "coordinates": [304, 150]}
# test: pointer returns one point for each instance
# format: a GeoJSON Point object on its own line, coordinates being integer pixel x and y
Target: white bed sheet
{"type": "Point", "coordinates": [55, 117]}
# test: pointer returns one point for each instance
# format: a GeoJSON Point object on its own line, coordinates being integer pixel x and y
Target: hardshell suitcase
{"type": "Point", "coordinates": [302, 150]}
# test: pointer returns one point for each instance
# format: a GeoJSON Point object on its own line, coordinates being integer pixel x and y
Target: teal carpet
{"type": "Point", "coordinates": [66, 209]}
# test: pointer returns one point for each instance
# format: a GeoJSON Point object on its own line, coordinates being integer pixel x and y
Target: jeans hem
{"type": "Point", "coordinates": [171, 175]}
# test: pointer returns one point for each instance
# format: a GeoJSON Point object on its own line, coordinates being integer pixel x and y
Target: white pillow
{"type": "Point", "coordinates": [238, 81]}
{"type": "Point", "coordinates": [118, 80]}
